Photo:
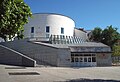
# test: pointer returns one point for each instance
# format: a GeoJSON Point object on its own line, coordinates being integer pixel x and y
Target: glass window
{"type": "Point", "coordinates": [72, 59]}
{"type": "Point", "coordinates": [72, 54]}
{"type": "Point", "coordinates": [32, 29]}
{"type": "Point", "coordinates": [76, 54]}
{"type": "Point", "coordinates": [85, 59]}
{"type": "Point", "coordinates": [76, 59]}
{"type": "Point", "coordinates": [62, 30]}
{"type": "Point", "coordinates": [89, 59]}
{"type": "Point", "coordinates": [81, 59]}
{"type": "Point", "coordinates": [93, 54]}
{"type": "Point", "coordinates": [47, 29]}
{"type": "Point", "coordinates": [87, 54]}
{"type": "Point", "coordinates": [93, 59]}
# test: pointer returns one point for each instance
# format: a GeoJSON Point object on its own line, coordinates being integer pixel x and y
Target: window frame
{"type": "Point", "coordinates": [32, 29]}
{"type": "Point", "coordinates": [47, 29]}
{"type": "Point", "coordinates": [62, 30]}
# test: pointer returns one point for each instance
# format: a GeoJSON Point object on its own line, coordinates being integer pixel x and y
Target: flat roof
{"type": "Point", "coordinates": [84, 44]}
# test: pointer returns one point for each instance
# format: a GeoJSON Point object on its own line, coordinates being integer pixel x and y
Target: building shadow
{"type": "Point", "coordinates": [89, 80]}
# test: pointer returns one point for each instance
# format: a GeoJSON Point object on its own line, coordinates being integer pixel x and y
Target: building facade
{"type": "Point", "coordinates": [44, 25]}
{"type": "Point", "coordinates": [53, 39]}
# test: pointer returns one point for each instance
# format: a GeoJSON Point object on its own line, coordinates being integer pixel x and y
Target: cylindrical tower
{"type": "Point", "coordinates": [46, 24]}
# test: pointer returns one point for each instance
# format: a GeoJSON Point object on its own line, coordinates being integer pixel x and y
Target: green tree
{"type": "Point", "coordinates": [110, 36]}
{"type": "Point", "coordinates": [96, 34]}
{"type": "Point", "coordinates": [13, 15]}
{"type": "Point", "coordinates": [116, 50]}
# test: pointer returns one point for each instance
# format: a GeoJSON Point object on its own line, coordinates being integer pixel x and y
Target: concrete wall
{"type": "Point", "coordinates": [103, 59]}
{"type": "Point", "coordinates": [55, 21]}
{"type": "Point", "coordinates": [64, 58]}
{"type": "Point", "coordinates": [79, 33]}
{"type": "Point", "coordinates": [11, 57]}
{"type": "Point", "coordinates": [41, 53]}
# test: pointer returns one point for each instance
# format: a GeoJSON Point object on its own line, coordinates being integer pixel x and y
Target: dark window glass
{"type": "Point", "coordinates": [32, 29]}
{"type": "Point", "coordinates": [93, 54]}
{"type": "Point", "coordinates": [89, 59]}
{"type": "Point", "coordinates": [72, 59]}
{"type": "Point", "coordinates": [62, 30]}
{"type": "Point", "coordinates": [93, 59]}
{"type": "Point", "coordinates": [87, 54]}
{"type": "Point", "coordinates": [76, 54]}
{"type": "Point", "coordinates": [81, 59]}
{"type": "Point", "coordinates": [80, 54]}
{"type": "Point", "coordinates": [76, 59]}
{"type": "Point", "coordinates": [72, 54]}
{"type": "Point", "coordinates": [47, 29]}
{"type": "Point", "coordinates": [85, 59]}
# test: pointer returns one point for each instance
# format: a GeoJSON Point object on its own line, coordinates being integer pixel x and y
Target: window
{"type": "Point", "coordinates": [47, 29]}
{"type": "Point", "coordinates": [72, 59]}
{"type": "Point", "coordinates": [93, 59]}
{"type": "Point", "coordinates": [89, 59]}
{"type": "Point", "coordinates": [62, 30]}
{"type": "Point", "coordinates": [85, 59]}
{"type": "Point", "coordinates": [81, 59]}
{"type": "Point", "coordinates": [32, 29]}
{"type": "Point", "coordinates": [76, 59]}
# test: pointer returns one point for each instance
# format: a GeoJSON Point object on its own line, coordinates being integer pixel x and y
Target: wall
{"type": "Point", "coordinates": [64, 58]}
{"type": "Point", "coordinates": [55, 21]}
{"type": "Point", "coordinates": [11, 57]}
{"type": "Point", "coordinates": [41, 53]}
{"type": "Point", "coordinates": [104, 59]}
{"type": "Point", "coordinates": [79, 33]}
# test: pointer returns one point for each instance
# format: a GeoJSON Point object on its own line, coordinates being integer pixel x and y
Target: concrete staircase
{"type": "Point", "coordinates": [11, 57]}
{"type": "Point", "coordinates": [42, 54]}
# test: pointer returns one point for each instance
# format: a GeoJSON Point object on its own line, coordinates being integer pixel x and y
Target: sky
{"type": "Point", "coordinates": [87, 14]}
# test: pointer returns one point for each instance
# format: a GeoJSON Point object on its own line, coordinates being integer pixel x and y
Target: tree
{"type": "Point", "coordinates": [116, 50]}
{"type": "Point", "coordinates": [108, 36]}
{"type": "Point", "coordinates": [96, 34]}
{"type": "Point", "coordinates": [13, 15]}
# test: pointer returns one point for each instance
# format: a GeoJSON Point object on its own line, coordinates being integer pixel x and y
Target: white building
{"type": "Point", "coordinates": [53, 39]}
{"type": "Point", "coordinates": [44, 25]}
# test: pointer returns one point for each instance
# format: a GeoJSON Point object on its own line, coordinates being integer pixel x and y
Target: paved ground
{"type": "Point", "coordinates": [59, 74]}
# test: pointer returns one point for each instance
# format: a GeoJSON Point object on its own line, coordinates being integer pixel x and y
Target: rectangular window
{"type": "Point", "coordinates": [47, 29]}
{"type": "Point", "coordinates": [32, 29]}
{"type": "Point", "coordinates": [72, 59]}
{"type": "Point", "coordinates": [93, 59]}
{"type": "Point", "coordinates": [76, 59]}
{"type": "Point", "coordinates": [89, 59]}
{"type": "Point", "coordinates": [85, 59]}
{"type": "Point", "coordinates": [81, 59]}
{"type": "Point", "coordinates": [62, 30]}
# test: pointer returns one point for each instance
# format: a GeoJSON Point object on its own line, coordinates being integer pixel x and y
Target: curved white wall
{"type": "Point", "coordinates": [54, 21]}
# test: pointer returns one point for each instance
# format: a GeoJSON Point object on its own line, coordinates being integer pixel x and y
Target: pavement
{"type": "Point", "coordinates": [9, 73]}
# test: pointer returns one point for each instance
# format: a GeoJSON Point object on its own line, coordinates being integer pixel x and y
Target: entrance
{"type": "Point", "coordinates": [83, 60]}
